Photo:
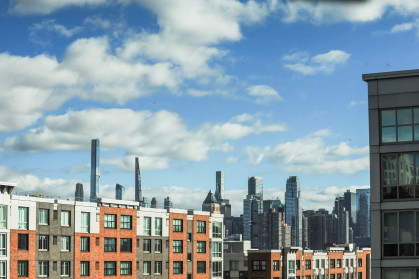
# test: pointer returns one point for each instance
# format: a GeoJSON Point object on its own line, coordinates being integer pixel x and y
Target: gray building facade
{"type": "Point", "coordinates": [293, 210]}
{"type": "Point", "coordinates": [94, 170]}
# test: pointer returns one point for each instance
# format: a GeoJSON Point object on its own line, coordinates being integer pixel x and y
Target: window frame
{"type": "Point", "coordinates": [109, 268]}
{"type": "Point", "coordinates": [201, 247]}
{"type": "Point", "coordinates": [109, 244]}
{"type": "Point", "coordinates": [177, 267]}
{"type": "Point", "coordinates": [201, 226]}
{"type": "Point", "coordinates": [65, 266]}
{"type": "Point", "coordinates": [177, 227]}
{"type": "Point", "coordinates": [147, 245]}
{"type": "Point", "coordinates": [158, 267]}
{"type": "Point", "coordinates": [25, 266]}
{"type": "Point", "coordinates": [125, 270]}
{"type": "Point", "coordinates": [65, 218]}
{"type": "Point", "coordinates": [84, 244]}
{"type": "Point", "coordinates": [216, 249]}
{"type": "Point", "coordinates": [122, 245]}
{"type": "Point", "coordinates": [109, 221]}
{"type": "Point", "coordinates": [43, 242]}
{"type": "Point", "coordinates": [85, 222]}
{"type": "Point", "coordinates": [126, 222]}
{"type": "Point", "coordinates": [201, 267]}
{"type": "Point", "coordinates": [85, 271]}
{"type": "Point", "coordinates": [3, 244]}
{"type": "Point", "coordinates": [275, 265]}
{"type": "Point", "coordinates": [158, 223]}
{"type": "Point", "coordinates": [23, 222]}
{"type": "Point", "coordinates": [43, 268]}
{"type": "Point", "coordinates": [396, 125]}
{"type": "Point", "coordinates": [63, 243]}
{"type": "Point", "coordinates": [217, 269]}
{"type": "Point", "coordinates": [23, 238]}
{"type": "Point", "coordinates": [43, 213]}
{"type": "Point", "coordinates": [177, 246]}
{"type": "Point", "coordinates": [158, 245]}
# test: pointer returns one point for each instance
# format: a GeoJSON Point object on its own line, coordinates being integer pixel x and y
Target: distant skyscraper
{"type": "Point", "coordinates": [343, 220]}
{"type": "Point", "coordinates": [363, 231]}
{"type": "Point", "coordinates": [138, 191]}
{"type": "Point", "coordinates": [153, 202]}
{"type": "Point", "coordinates": [252, 206]}
{"type": "Point", "coordinates": [255, 186]}
{"type": "Point", "coordinates": [219, 185]}
{"type": "Point", "coordinates": [119, 192]}
{"type": "Point", "coordinates": [350, 206]}
{"type": "Point", "coordinates": [167, 203]}
{"type": "Point", "coordinates": [293, 210]}
{"type": "Point", "coordinates": [94, 171]}
{"type": "Point", "coordinates": [79, 192]}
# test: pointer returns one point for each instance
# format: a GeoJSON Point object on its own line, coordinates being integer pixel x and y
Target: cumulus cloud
{"type": "Point", "coordinates": [264, 94]}
{"type": "Point", "coordinates": [310, 154]}
{"type": "Point", "coordinates": [404, 27]}
{"type": "Point", "coordinates": [356, 103]}
{"type": "Point", "coordinates": [321, 63]}
{"type": "Point", "coordinates": [43, 7]}
{"type": "Point", "coordinates": [51, 26]}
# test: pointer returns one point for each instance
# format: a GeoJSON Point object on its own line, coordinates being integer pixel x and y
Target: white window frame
{"type": "Point", "coordinates": [43, 216]}
{"type": "Point", "coordinates": [43, 268]}
{"type": "Point", "coordinates": [3, 269]}
{"type": "Point", "coordinates": [85, 222]}
{"type": "Point", "coordinates": [158, 267]}
{"type": "Point", "coordinates": [146, 268]}
{"type": "Point", "coordinates": [23, 218]}
{"type": "Point", "coordinates": [65, 218]}
{"type": "Point", "coordinates": [158, 226]}
{"type": "Point", "coordinates": [147, 225]}
{"type": "Point", "coordinates": [43, 243]}
{"type": "Point", "coordinates": [84, 268]}
{"type": "Point", "coordinates": [65, 243]}
{"type": "Point", "coordinates": [65, 268]}
{"type": "Point", "coordinates": [3, 244]}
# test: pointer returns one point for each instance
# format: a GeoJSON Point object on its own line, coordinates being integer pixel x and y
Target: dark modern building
{"type": "Point", "coordinates": [79, 195]}
{"type": "Point", "coordinates": [393, 104]}
{"type": "Point", "coordinates": [119, 192]}
{"type": "Point", "coordinates": [94, 170]}
{"type": "Point", "coordinates": [293, 210]}
{"type": "Point", "coordinates": [363, 231]}
{"type": "Point", "coordinates": [138, 191]}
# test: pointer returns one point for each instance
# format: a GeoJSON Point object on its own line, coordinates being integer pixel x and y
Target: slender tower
{"type": "Point", "coordinates": [79, 192]}
{"type": "Point", "coordinates": [94, 171]}
{"type": "Point", "coordinates": [138, 192]}
{"type": "Point", "coordinates": [219, 185]}
{"type": "Point", "coordinates": [119, 192]}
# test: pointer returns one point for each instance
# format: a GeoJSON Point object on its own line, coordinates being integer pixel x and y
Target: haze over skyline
{"type": "Point", "coordinates": [253, 88]}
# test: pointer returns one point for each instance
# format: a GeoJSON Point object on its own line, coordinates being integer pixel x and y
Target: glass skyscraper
{"type": "Point", "coordinates": [94, 170]}
{"type": "Point", "coordinates": [293, 210]}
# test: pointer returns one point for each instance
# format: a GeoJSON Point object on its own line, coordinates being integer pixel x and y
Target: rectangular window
{"type": "Point", "coordinates": [201, 247]}
{"type": "Point", "coordinates": [332, 276]}
{"type": "Point", "coordinates": [22, 268]}
{"type": "Point", "coordinates": [400, 125]}
{"type": "Point", "coordinates": [217, 270]}
{"type": "Point", "coordinates": [146, 268]}
{"type": "Point", "coordinates": [297, 264]}
{"type": "Point", "coordinates": [43, 243]}
{"type": "Point", "coordinates": [85, 244]}
{"type": "Point", "coordinates": [308, 264]}
{"type": "Point", "coordinates": [234, 265]}
{"type": "Point", "coordinates": [65, 243]}
{"type": "Point", "coordinates": [147, 225]}
{"type": "Point", "coordinates": [177, 267]}
{"type": "Point", "coordinates": [3, 270]}
{"type": "Point", "coordinates": [201, 227]}
{"type": "Point", "coordinates": [359, 262]}
{"type": "Point", "coordinates": [216, 249]}
{"type": "Point", "coordinates": [217, 230]}
{"type": "Point", "coordinates": [339, 276]}
{"type": "Point", "coordinates": [275, 265]}
{"type": "Point", "coordinates": [3, 216]}
{"type": "Point", "coordinates": [332, 263]}
{"type": "Point", "coordinates": [109, 244]}
{"type": "Point", "coordinates": [177, 246]}
{"type": "Point", "coordinates": [323, 263]}
{"type": "Point", "coordinates": [43, 216]}
{"type": "Point", "coordinates": [338, 263]}
{"type": "Point", "coordinates": [317, 263]}
{"type": "Point", "coordinates": [177, 225]}
{"type": "Point", "coordinates": [110, 268]}
{"type": "Point", "coordinates": [85, 222]}
{"type": "Point", "coordinates": [65, 218]}
{"type": "Point", "coordinates": [23, 218]}
{"type": "Point", "coordinates": [65, 268]}
{"type": "Point", "coordinates": [3, 248]}
{"type": "Point", "coordinates": [84, 268]}
{"type": "Point", "coordinates": [158, 267]}
{"type": "Point", "coordinates": [291, 267]}
{"type": "Point", "coordinates": [22, 241]}
{"type": "Point", "coordinates": [110, 221]}
{"type": "Point", "coordinates": [157, 226]}
{"type": "Point", "coordinates": [126, 268]}
{"type": "Point", "coordinates": [157, 245]}
{"type": "Point", "coordinates": [201, 267]}
{"type": "Point", "coordinates": [126, 222]}
{"type": "Point", "coordinates": [258, 265]}
{"type": "Point", "coordinates": [147, 245]}
{"type": "Point", "coordinates": [125, 245]}
{"type": "Point", "coordinates": [43, 268]}
{"type": "Point", "coordinates": [359, 275]}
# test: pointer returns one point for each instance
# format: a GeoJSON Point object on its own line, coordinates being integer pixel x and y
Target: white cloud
{"type": "Point", "coordinates": [407, 26]}
{"type": "Point", "coordinates": [51, 25]}
{"type": "Point", "coordinates": [43, 7]}
{"type": "Point", "coordinates": [325, 62]}
{"type": "Point", "coordinates": [356, 103]}
{"type": "Point", "coordinates": [264, 94]}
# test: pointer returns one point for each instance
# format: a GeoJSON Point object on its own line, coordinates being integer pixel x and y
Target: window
{"type": "Point", "coordinates": [84, 268]}
{"type": "Point", "coordinates": [110, 268]}
{"type": "Point", "coordinates": [43, 216]}
{"type": "Point", "coordinates": [217, 230]}
{"type": "Point", "coordinates": [85, 222]}
{"type": "Point", "coordinates": [110, 244]}
{"type": "Point", "coordinates": [297, 264]}
{"type": "Point", "coordinates": [308, 277]}
{"type": "Point", "coordinates": [400, 125]}
{"type": "Point", "coordinates": [126, 268]}
{"type": "Point", "coordinates": [125, 244]}
{"type": "Point", "coordinates": [3, 216]}
{"type": "Point", "coordinates": [275, 265]}
{"type": "Point", "coordinates": [308, 264]}
{"type": "Point", "coordinates": [147, 225]}
{"type": "Point", "coordinates": [146, 268]}
{"type": "Point", "coordinates": [201, 267]}
{"type": "Point", "coordinates": [158, 267]}
{"type": "Point", "coordinates": [258, 265]}
{"type": "Point", "coordinates": [85, 244]}
{"type": "Point", "coordinates": [110, 221]}
{"type": "Point", "coordinates": [65, 243]}
{"type": "Point", "coordinates": [201, 227]}
{"type": "Point", "coordinates": [332, 276]}
{"type": "Point", "coordinates": [347, 262]}
{"type": "Point", "coordinates": [177, 225]}
{"type": "Point", "coordinates": [43, 243]}
{"type": "Point", "coordinates": [177, 267]}
{"type": "Point", "coordinates": [3, 270]}
{"type": "Point", "coordinates": [65, 268]}
{"type": "Point", "coordinates": [217, 270]}
{"type": "Point", "coordinates": [216, 249]}
{"type": "Point", "coordinates": [157, 226]}
{"type": "Point", "coordinates": [43, 268]}
{"type": "Point", "coordinates": [338, 263]}
{"type": "Point", "coordinates": [147, 245]}
{"type": "Point", "coordinates": [22, 268]}
{"type": "Point", "coordinates": [339, 276]}
{"type": "Point", "coordinates": [157, 245]}
{"type": "Point", "coordinates": [291, 267]}
{"type": "Point", "coordinates": [317, 263]}
{"type": "Point", "coordinates": [201, 247]}
{"type": "Point", "coordinates": [177, 246]}
{"type": "Point", "coordinates": [22, 241]}
{"type": "Point", "coordinates": [234, 265]}
{"type": "Point", "coordinates": [359, 275]}
{"type": "Point", "coordinates": [359, 262]}
{"type": "Point", "coordinates": [126, 222]}
{"type": "Point", "coordinates": [332, 263]}
{"type": "Point", "coordinates": [65, 218]}
{"type": "Point", "coordinates": [323, 263]}
{"type": "Point", "coordinates": [23, 218]}
{"type": "Point", "coordinates": [3, 248]}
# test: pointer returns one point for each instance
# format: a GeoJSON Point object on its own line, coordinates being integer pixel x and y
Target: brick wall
{"type": "Point", "coordinates": [201, 256]}
{"type": "Point", "coordinates": [178, 236]}
{"type": "Point", "coordinates": [22, 255]}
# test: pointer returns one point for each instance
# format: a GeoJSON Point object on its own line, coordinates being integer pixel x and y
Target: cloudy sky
{"type": "Point", "coordinates": [267, 88]}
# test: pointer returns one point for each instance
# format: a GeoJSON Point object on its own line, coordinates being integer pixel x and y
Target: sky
{"type": "Point", "coordinates": [253, 88]}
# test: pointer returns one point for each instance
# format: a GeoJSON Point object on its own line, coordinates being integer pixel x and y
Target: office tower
{"type": "Point", "coordinates": [317, 230]}
{"type": "Point", "coordinates": [255, 186]}
{"type": "Point", "coordinates": [293, 210]}
{"type": "Point", "coordinates": [138, 191]}
{"type": "Point", "coordinates": [237, 225]}
{"type": "Point", "coordinates": [332, 229]}
{"type": "Point", "coordinates": [167, 203]}
{"type": "Point", "coordinates": [272, 231]}
{"type": "Point", "coordinates": [305, 232]}
{"type": "Point", "coordinates": [350, 206]}
{"type": "Point", "coordinates": [219, 185]}
{"type": "Point", "coordinates": [269, 204]}
{"type": "Point", "coordinates": [211, 204]}
{"type": "Point", "coordinates": [119, 192]}
{"type": "Point", "coordinates": [393, 103]}
{"type": "Point", "coordinates": [251, 208]}
{"type": "Point", "coordinates": [362, 232]}
{"type": "Point", "coordinates": [79, 195]}
{"type": "Point", "coordinates": [153, 202]}
{"type": "Point", "coordinates": [343, 220]}
{"type": "Point", "coordinates": [94, 170]}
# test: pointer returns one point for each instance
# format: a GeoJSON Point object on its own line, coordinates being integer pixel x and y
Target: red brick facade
{"type": "Point", "coordinates": [268, 258]}
{"type": "Point", "coordinates": [362, 264]}
{"type": "Point", "coordinates": [335, 257]}
{"type": "Point", "coordinates": [201, 256]}
{"type": "Point", "coordinates": [173, 257]}
{"type": "Point", "coordinates": [22, 255]}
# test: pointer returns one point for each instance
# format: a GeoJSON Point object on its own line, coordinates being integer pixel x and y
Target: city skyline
{"type": "Point", "coordinates": [269, 89]}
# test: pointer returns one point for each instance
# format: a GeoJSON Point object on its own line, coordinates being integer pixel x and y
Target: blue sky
{"type": "Point", "coordinates": [265, 88]}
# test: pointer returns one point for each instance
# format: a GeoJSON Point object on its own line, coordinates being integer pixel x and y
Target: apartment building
{"type": "Point", "coordinates": [43, 237]}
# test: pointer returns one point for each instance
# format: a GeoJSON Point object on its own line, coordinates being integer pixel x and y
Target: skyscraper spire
{"type": "Point", "coordinates": [94, 171]}
{"type": "Point", "coordinates": [138, 192]}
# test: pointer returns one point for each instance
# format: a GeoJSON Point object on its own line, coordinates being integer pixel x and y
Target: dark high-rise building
{"type": "Point", "coordinates": [363, 232]}
{"type": "Point", "coordinates": [153, 202]}
{"type": "Point", "coordinates": [350, 206]}
{"type": "Point", "coordinates": [293, 210]}
{"type": "Point", "coordinates": [219, 185]}
{"type": "Point", "coordinates": [79, 195]}
{"type": "Point", "coordinates": [138, 191]}
{"type": "Point", "coordinates": [317, 229]}
{"type": "Point", "coordinates": [343, 220]}
{"type": "Point", "coordinates": [94, 170]}
{"type": "Point", "coordinates": [255, 186]}
{"type": "Point", "coordinates": [119, 192]}
{"type": "Point", "coordinates": [167, 203]}
{"type": "Point", "coordinates": [273, 233]}
{"type": "Point", "coordinates": [252, 206]}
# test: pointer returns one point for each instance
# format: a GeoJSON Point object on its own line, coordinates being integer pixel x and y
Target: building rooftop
{"type": "Point", "coordinates": [387, 75]}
